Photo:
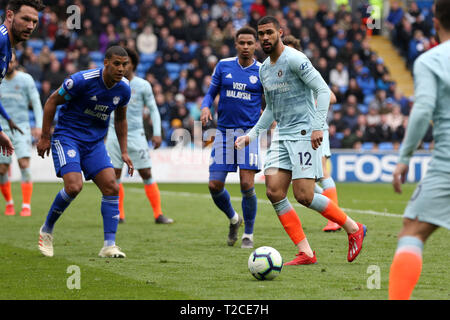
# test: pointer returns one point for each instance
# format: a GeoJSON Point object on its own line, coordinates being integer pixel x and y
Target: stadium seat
{"type": "Point", "coordinates": [386, 146]}
{"type": "Point", "coordinates": [192, 47]}
{"type": "Point", "coordinates": [364, 109]}
{"type": "Point", "coordinates": [36, 45]}
{"type": "Point", "coordinates": [96, 56]}
{"type": "Point", "coordinates": [337, 107]}
{"type": "Point", "coordinates": [59, 54]}
{"type": "Point", "coordinates": [147, 57]}
{"type": "Point", "coordinates": [367, 146]}
{"type": "Point", "coordinates": [339, 135]}
{"type": "Point", "coordinates": [173, 67]}
{"type": "Point", "coordinates": [426, 146]}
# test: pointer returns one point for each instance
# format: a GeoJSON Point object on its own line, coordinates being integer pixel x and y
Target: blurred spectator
{"type": "Point", "coordinates": [89, 39]}
{"type": "Point", "coordinates": [45, 92]}
{"type": "Point", "coordinates": [108, 38]}
{"type": "Point", "coordinates": [339, 76]}
{"type": "Point", "coordinates": [54, 75]}
{"type": "Point", "coordinates": [158, 69]}
{"type": "Point", "coordinates": [33, 67]}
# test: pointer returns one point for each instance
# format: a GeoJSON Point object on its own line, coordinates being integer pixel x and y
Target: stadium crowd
{"type": "Point", "coordinates": [180, 42]}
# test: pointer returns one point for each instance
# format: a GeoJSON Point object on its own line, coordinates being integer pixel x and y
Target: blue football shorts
{"type": "Point", "coordinates": [71, 155]}
{"type": "Point", "coordinates": [224, 157]}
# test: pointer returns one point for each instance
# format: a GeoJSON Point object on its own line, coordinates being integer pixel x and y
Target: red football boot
{"type": "Point", "coordinates": [9, 210]}
{"type": "Point", "coordinates": [302, 258]}
{"type": "Point", "coordinates": [355, 241]}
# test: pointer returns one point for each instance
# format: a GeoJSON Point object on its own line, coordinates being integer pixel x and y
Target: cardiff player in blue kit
{"type": "Point", "coordinates": [88, 99]}
{"type": "Point", "coordinates": [21, 20]}
{"type": "Point", "coordinates": [237, 81]}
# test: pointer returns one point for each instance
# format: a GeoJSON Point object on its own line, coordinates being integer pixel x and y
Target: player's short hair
{"type": "Point", "coordinates": [115, 50]}
{"type": "Point", "coordinates": [15, 5]}
{"type": "Point", "coordinates": [290, 40]}
{"type": "Point", "coordinates": [269, 19]}
{"type": "Point", "coordinates": [442, 13]}
{"type": "Point", "coordinates": [246, 30]}
{"type": "Point", "coordinates": [134, 57]}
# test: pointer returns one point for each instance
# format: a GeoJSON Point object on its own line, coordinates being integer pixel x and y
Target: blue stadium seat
{"type": "Point", "coordinates": [173, 75]}
{"type": "Point", "coordinates": [339, 135]}
{"type": "Point", "coordinates": [147, 57]}
{"type": "Point", "coordinates": [179, 46]}
{"type": "Point", "coordinates": [173, 67]}
{"type": "Point", "coordinates": [367, 146]}
{"type": "Point", "coordinates": [96, 56]}
{"type": "Point", "coordinates": [192, 47]}
{"type": "Point", "coordinates": [36, 44]}
{"type": "Point", "coordinates": [364, 109]}
{"type": "Point", "coordinates": [426, 146]}
{"type": "Point", "coordinates": [60, 54]}
{"type": "Point", "coordinates": [337, 107]}
{"type": "Point", "coordinates": [386, 146]}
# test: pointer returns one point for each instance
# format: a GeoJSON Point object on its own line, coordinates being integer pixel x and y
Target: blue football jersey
{"type": "Point", "coordinates": [240, 93]}
{"type": "Point", "coordinates": [5, 51]}
{"type": "Point", "coordinates": [85, 116]}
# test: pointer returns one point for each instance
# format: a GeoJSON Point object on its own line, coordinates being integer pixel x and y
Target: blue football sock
{"type": "Point", "coordinates": [222, 201]}
{"type": "Point", "coordinates": [249, 208]}
{"type": "Point", "coordinates": [110, 214]}
{"type": "Point", "coordinates": [61, 202]}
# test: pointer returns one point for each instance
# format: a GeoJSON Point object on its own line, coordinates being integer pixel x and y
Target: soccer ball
{"type": "Point", "coordinates": [265, 263]}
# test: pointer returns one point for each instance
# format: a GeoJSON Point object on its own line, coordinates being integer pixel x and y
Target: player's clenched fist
{"type": "Point", "coordinates": [242, 142]}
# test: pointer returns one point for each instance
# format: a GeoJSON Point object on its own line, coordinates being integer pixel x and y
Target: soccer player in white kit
{"type": "Point", "coordinates": [17, 92]}
{"type": "Point", "coordinates": [141, 96]}
{"type": "Point", "coordinates": [291, 86]}
{"type": "Point", "coordinates": [428, 208]}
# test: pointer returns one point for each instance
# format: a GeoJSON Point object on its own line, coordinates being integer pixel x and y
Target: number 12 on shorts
{"type": "Point", "coordinates": [305, 158]}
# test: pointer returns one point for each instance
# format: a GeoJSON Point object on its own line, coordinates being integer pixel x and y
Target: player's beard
{"type": "Point", "coordinates": [17, 36]}
{"type": "Point", "coordinates": [272, 47]}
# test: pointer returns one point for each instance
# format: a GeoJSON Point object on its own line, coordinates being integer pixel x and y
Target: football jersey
{"type": "Point", "coordinates": [431, 102]}
{"type": "Point", "coordinates": [16, 95]}
{"type": "Point", "coordinates": [240, 93]}
{"type": "Point", "coordinates": [141, 95]}
{"type": "Point", "coordinates": [85, 116]}
{"type": "Point", "coordinates": [289, 96]}
{"type": "Point", "coordinates": [5, 51]}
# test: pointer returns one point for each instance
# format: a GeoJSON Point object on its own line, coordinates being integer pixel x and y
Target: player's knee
{"type": "Point", "coordinates": [215, 186]}
{"type": "Point", "coordinates": [246, 185]}
{"type": "Point", "coordinates": [275, 195]}
{"type": "Point", "coordinates": [111, 188]}
{"type": "Point", "coordinates": [73, 189]}
{"type": "Point", "coordinates": [304, 198]}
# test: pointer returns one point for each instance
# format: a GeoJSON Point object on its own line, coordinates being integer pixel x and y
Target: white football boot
{"type": "Point", "coordinates": [45, 243]}
{"type": "Point", "coordinates": [111, 252]}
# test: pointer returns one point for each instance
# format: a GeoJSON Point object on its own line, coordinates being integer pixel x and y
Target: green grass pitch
{"type": "Point", "coordinates": [191, 260]}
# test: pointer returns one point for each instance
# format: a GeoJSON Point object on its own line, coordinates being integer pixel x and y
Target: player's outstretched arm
{"type": "Point", "coordinates": [44, 143]}
{"type": "Point", "coordinates": [121, 127]}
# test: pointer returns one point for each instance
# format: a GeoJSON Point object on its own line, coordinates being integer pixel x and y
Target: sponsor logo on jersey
{"type": "Point", "coordinates": [304, 66]}
{"type": "Point", "coordinates": [229, 76]}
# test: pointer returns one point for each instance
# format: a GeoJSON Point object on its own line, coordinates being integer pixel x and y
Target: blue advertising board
{"type": "Point", "coordinates": [373, 166]}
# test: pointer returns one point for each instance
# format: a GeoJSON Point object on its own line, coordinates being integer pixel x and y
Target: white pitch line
{"type": "Point", "coordinates": [207, 196]}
